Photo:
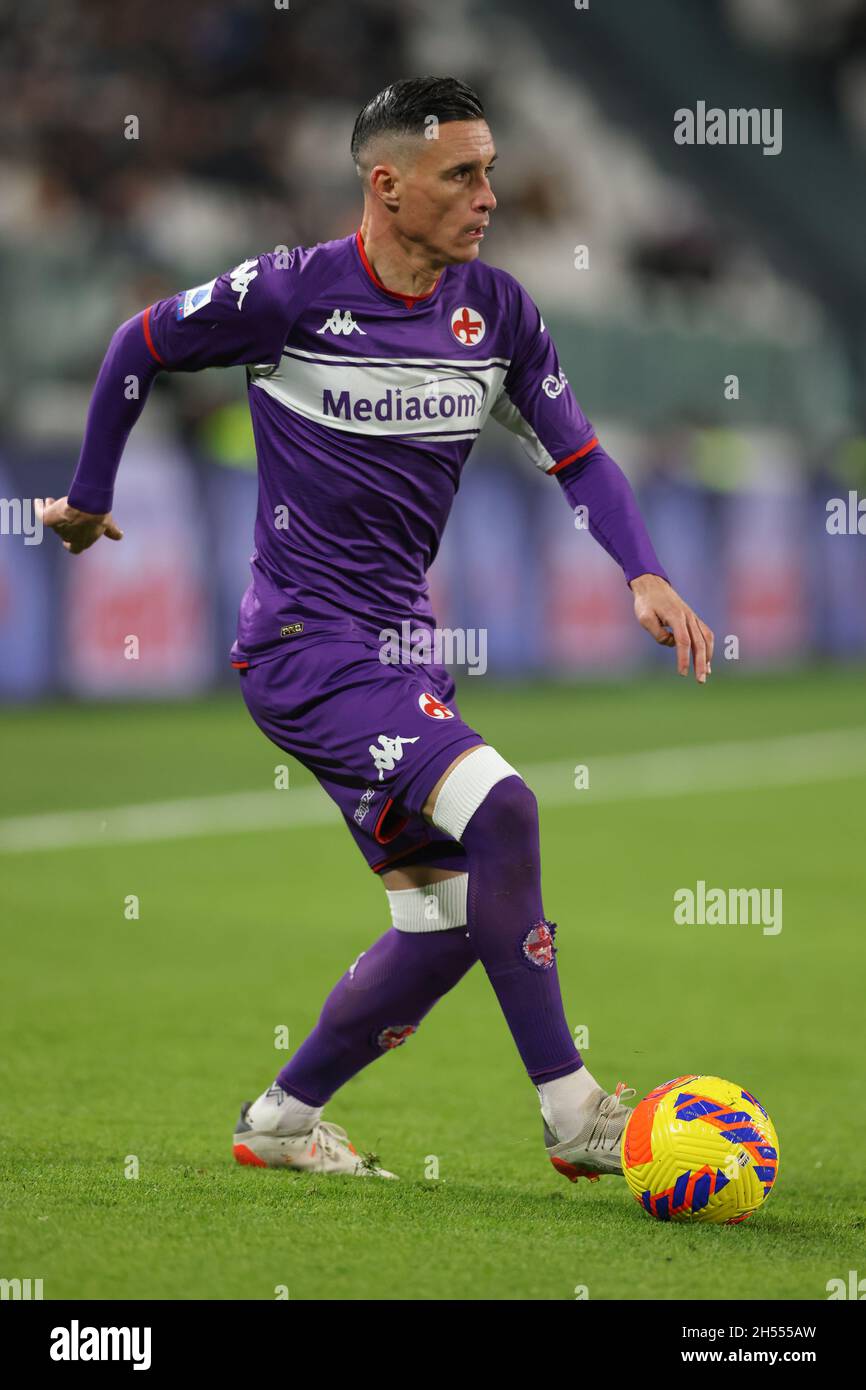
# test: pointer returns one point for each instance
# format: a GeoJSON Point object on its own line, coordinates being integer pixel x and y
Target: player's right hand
{"type": "Point", "coordinates": [77, 530]}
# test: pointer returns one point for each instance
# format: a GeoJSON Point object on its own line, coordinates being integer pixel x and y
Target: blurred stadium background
{"type": "Point", "coordinates": [142, 1033]}
{"type": "Point", "coordinates": [703, 262]}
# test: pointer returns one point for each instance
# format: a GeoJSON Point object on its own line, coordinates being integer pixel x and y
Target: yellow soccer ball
{"type": "Point", "coordinates": [700, 1149]}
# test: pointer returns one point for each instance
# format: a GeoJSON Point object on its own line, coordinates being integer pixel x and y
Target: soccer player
{"type": "Point", "coordinates": [372, 363]}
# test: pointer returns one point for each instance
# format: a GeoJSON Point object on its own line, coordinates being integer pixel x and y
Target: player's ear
{"type": "Point", "coordinates": [383, 185]}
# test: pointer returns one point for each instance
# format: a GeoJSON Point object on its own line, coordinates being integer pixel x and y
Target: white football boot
{"type": "Point", "coordinates": [595, 1148]}
{"type": "Point", "coordinates": [323, 1149]}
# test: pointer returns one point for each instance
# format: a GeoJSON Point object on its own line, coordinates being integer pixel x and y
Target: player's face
{"type": "Point", "coordinates": [445, 198]}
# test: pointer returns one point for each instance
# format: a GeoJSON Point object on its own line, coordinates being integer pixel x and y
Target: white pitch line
{"type": "Point", "coordinates": [781, 761]}
{"type": "Point", "coordinates": [227, 813]}
{"type": "Point", "coordinates": [792, 760]}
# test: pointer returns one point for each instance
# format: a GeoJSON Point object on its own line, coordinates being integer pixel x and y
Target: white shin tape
{"type": "Point", "coordinates": [435, 907]}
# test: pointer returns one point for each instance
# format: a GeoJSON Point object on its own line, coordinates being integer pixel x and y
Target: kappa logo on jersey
{"type": "Point", "coordinates": [242, 277]}
{"type": "Point", "coordinates": [554, 386]}
{"type": "Point", "coordinates": [390, 753]}
{"type": "Point", "coordinates": [341, 321]}
{"type": "Point", "coordinates": [194, 299]}
{"type": "Point", "coordinates": [433, 708]}
{"type": "Point", "coordinates": [468, 326]}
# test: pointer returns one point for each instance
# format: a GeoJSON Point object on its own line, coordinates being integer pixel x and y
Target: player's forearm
{"type": "Point", "coordinates": [613, 515]}
{"type": "Point", "coordinates": [121, 390]}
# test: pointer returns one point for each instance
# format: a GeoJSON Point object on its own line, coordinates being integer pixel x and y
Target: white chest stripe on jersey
{"type": "Point", "coordinates": [343, 359]}
{"type": "Point", "coordinates": [420, 398]}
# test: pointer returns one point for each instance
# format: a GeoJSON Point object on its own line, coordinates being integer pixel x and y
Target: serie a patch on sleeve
{"type": "Point", "coordinates": [194, 299]}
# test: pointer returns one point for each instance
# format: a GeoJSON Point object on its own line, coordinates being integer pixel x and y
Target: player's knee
{"type": "Point", "coordinates": [484, 788]}
{"type": "Point", "coordinates": [512, 807]}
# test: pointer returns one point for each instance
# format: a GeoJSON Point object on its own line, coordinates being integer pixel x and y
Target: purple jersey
{"type": "Point", "coordinates": [365, 404]}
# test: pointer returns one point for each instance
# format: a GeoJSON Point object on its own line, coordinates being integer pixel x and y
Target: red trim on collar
{"type": "Point", "coordinates": [410, 300]}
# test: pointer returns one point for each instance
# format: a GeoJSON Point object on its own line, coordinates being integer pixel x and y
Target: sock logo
{"type": "Point", "coordinates": [538, 945]}
{"type": "Point", "coordinates": [394, 1036]}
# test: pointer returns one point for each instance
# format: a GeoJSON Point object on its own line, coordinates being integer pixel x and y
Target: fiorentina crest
{"type": "Point", "coordinates": [538, 945]}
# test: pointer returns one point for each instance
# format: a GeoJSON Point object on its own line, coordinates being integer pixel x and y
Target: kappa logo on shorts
{"type": "Point", "coordinates": [538, 945]}
{"type": "Point", "coordinates": [354, 966]}
{"type": "Point", "coordinates": [363, 805]}
{"type": "Point", "coordinates": [395, 1036]}
{"type": "Point", "coordinates": [433, 708]}
{"type": "Point", "coordinates": [390, 753]}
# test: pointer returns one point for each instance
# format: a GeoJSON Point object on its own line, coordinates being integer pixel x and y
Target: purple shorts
{"type": "Point", "coordinates": [377, 737]}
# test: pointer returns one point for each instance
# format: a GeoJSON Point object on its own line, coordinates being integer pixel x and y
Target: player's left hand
{"type": "Point", "coordinates": [668, 618]}
{"type": "Point", "coordinates": [77, 530]}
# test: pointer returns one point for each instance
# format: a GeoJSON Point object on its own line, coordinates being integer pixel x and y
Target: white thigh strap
{"type": "Point", "coordinates": [436, 907]}
{"type": "Point", "coordinates": [466, 786]}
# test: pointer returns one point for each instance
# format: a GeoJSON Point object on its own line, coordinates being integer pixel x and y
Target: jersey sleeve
{"type": "Point", "coordinates": [536, 402]}
{"type": "Point", "coordinates": [243, 316]}
{"type": "Point", "coordinates": [599, 487]}
{"type": "Point", "coordinates": [240, 317]}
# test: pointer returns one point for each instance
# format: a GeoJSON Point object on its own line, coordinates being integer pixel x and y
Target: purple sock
{"type": "Point", "coordinates": [375, 1007]}
{"type": "Point", "coordinates": [508, 929]}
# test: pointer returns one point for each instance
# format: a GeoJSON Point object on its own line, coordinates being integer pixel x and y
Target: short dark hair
{"type": "Point", "coordinates": [405, 107]}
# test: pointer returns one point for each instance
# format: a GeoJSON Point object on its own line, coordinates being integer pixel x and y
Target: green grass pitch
{"type": "Point", "coordinates": [141, 1037]}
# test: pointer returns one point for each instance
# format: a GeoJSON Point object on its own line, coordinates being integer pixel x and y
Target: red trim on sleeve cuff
{"type": "Point", "coordinates": [579, 455]}
{"type": "Point", "coordinates": [145, 323]}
